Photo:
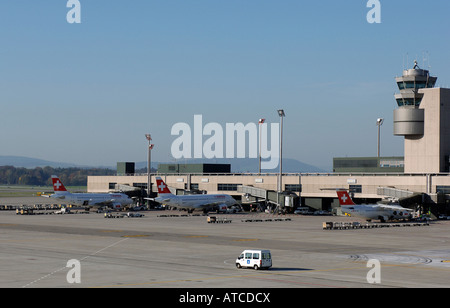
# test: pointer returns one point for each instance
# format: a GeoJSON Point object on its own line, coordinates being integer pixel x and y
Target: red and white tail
{"type": "Point", "coordinates": [344, 198]}
{"type": "Point", "coordinates": [162, 187]}
{"type": "Point", "coordinates": [57, 184]}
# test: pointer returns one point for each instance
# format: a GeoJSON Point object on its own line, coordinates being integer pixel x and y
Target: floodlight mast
{"type": "Point", "coordinates": [280, 176]}
{"type": "Point", "coordinates": [380, 122]}
{"type": "Point", "coordinates": [149, 159]}
{"type": "Point", "coordinates": [260, 122]}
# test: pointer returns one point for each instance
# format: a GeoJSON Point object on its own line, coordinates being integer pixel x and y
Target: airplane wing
{"type": "Point", "coordinates": [210, 204]}
{"type": "Point", "coordinates": [394, 207]}
{"type": "Point", "coordinates": [158, 200]}
{"type": "Point", "coordinates": [54, 196]}
{"type": "Point", "coordinates": [108, 202]}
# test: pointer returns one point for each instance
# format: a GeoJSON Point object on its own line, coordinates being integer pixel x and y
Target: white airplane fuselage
{"type": "Point", "coordinates": [116, 200]}
{"type": "Point", "coordinates": [375, 211]}
{"type": "Point", "coordinates": [196, 201]}
{"type": "Point", "coordinates": [371, 211]}
{"type": "Point", "coordinates": [192, 202]}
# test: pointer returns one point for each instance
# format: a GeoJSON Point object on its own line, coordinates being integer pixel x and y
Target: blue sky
{"type": "Point", "coordinates": [88, 93]}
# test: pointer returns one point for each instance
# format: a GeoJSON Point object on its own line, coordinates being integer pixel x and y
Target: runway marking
{"type": "Point", "coordinates": [302, 283]}
{"type": "Point", "coordinates": [404, 259]}
{"type": "Point", "coordinates": [136, 235]}
{"type": "Point", "coordinates": [62, 268]}
{"type": "Point", "coordinates": [256, 275]}
{"type": "Point", "coordinates": [267, 276]}
{"type": "Point", "coordinates": [168, 281]}
{"type": "Point", "coordinates": [32, 240]}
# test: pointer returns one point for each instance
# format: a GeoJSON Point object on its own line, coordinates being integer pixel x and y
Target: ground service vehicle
{"type": "Point", "coordinates": [256, 259]}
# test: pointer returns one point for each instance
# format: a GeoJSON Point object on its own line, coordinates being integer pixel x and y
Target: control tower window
{"type": "Point", "coordinates": [413, 85]}
{"type": "Point", "coordinates": [421, 85]}
{"type": "Point", "coordinates": [410, 85]}
{"type": "Point", "coordinates": [408, 102]}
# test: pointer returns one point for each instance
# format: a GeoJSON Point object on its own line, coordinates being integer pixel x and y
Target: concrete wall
{"type": "Point", "coordinates": [313, 185]}
{"type": "Point", "coordinates": [426, 154]}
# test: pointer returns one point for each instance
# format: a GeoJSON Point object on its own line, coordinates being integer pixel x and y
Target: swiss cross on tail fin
{"type": "Point", "coordinates": [162, 187]}
{"type": "Point", "coordinates": [344, 198]}
{"type": "Point", "coordinates": [57, 184]}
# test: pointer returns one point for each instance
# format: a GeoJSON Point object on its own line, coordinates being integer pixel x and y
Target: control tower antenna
{"type": "Point", "coordinates": [424, 59]}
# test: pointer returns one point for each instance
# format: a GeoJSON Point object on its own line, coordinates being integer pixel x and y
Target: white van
{"type": "Point", "coordinates": [254, 258]}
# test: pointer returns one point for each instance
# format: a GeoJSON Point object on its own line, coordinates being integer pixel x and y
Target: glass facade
{"type": "Point", "coordinates": [413, 85]}
{"type": "Point", "coordinates": [410, 84]}
{"type": "Point", "coordinates": [227, 187]}
{"type": "Point", "coordinates": [368, 164]}
{"type": "Point", "coordinates": [409, 102]}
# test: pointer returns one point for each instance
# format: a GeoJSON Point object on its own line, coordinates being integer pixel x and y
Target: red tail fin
{"type": "Point", "coordinates": [162, 187]}
{"type": "Point", "coordinates": [57, 185]}
{"type": "Point", "coordinates": [344, 198]}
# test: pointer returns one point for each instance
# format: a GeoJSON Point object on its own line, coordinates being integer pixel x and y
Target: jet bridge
{"type": "Point", "coordinates": [395, 193]}
{"type": "Point", "coordinates": [405, 198]}
{"type": "Point", "coordinates": [282, 201]}
{"type": "Point", "coordinates": [253, 191]}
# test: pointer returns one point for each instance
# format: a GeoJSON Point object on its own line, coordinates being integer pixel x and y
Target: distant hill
{"type": "Point", "coordinates": [27, 162]}
{"type": "Point", "coordinates": [245, 165]}
{"type": "Point", "coordinates": [237, 164]}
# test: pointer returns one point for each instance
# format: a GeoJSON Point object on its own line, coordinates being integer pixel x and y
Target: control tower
{"type": "Point", "coordinates": [409, 118]}
{"type": "Point", "coordinates": [423, 118]}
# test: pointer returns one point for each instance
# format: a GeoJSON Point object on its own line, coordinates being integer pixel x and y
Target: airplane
{"type": "Point", "coordinates": [372, 211]}
{"type": "Point", "coordinates": [192, 202]}
{"type": "Point", "coordinates": [113, 200]}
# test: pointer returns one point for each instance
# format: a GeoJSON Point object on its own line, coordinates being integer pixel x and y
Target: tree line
{"type": "Point", "coordinates": [38, 176]}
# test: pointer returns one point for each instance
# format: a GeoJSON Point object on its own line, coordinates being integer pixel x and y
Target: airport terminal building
{"type": "Point", "coordinates": [421, 177]}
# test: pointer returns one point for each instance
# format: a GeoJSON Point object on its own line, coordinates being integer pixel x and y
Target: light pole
{"type": "Point", "coordinates": [149, 160]}
{"type": "Point", "coordinates": [280, 176]}
{"type": "Point", "coordinates": [379, 123]}
{"type": "Point", "coordinates": [260, 122]}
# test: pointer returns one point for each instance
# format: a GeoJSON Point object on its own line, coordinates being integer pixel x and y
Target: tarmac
{"type": "Point", "coordinates": [184, 251]}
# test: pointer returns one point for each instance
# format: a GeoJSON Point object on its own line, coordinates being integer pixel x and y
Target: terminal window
{"type": "Point", "coordinates": [140, 185]}
{"type": "Point", "coordinates": [355, 163]}
{"type": "Point", "coordinates": [443, 189]}
{"type": "Point", "coordinates": [293, 187]}
{"type": "Point", "coordinates": [355, 188]}
{"type": "Point", "coordinates": [227, 187]}
{"type": "Point", "coordinates": [392, 164]}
